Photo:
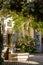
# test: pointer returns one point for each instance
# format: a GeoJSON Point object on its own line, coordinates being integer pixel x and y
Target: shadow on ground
{"type": "Point", "coordinates": [14, 63]}
{"type": "Point", "coordinates": [21, 63]}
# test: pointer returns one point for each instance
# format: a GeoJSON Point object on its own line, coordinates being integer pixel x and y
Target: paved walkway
{"type": "Point", "coordinates": [36, 59]}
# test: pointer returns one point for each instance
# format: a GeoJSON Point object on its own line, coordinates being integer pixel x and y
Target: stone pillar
{"type": "Point", "coordinates": [32, 32]}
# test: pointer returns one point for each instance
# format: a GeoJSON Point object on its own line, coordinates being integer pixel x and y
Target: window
{"type": "Point", "coordinates": [37, 37]}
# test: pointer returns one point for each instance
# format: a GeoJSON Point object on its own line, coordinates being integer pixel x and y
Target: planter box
{"type": "Point", "coordinates": [19, 56]}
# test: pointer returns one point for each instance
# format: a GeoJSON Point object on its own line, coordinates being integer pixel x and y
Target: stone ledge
{"type": "Point", "coordinates": [19, 56]}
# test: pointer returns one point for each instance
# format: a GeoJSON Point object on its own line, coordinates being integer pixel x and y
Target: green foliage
{"type": "Point", "coordinates": [12, 5]}
{"type": "Point", "coordinates": [36, 25]}
{"type": "Point", "coordinates": [26, 44]}
{"type": "Point", "coordinates": [31, 46]}
{"type": "Point", "coordinates": [34, 8]}
{"type": "Point", "coordinates": [22, 49]}
{"type": "Point", "coordinates": [18, 20]}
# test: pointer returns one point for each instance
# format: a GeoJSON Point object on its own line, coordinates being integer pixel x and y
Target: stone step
{"type": "Point", "coordinates": [20, 56]}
